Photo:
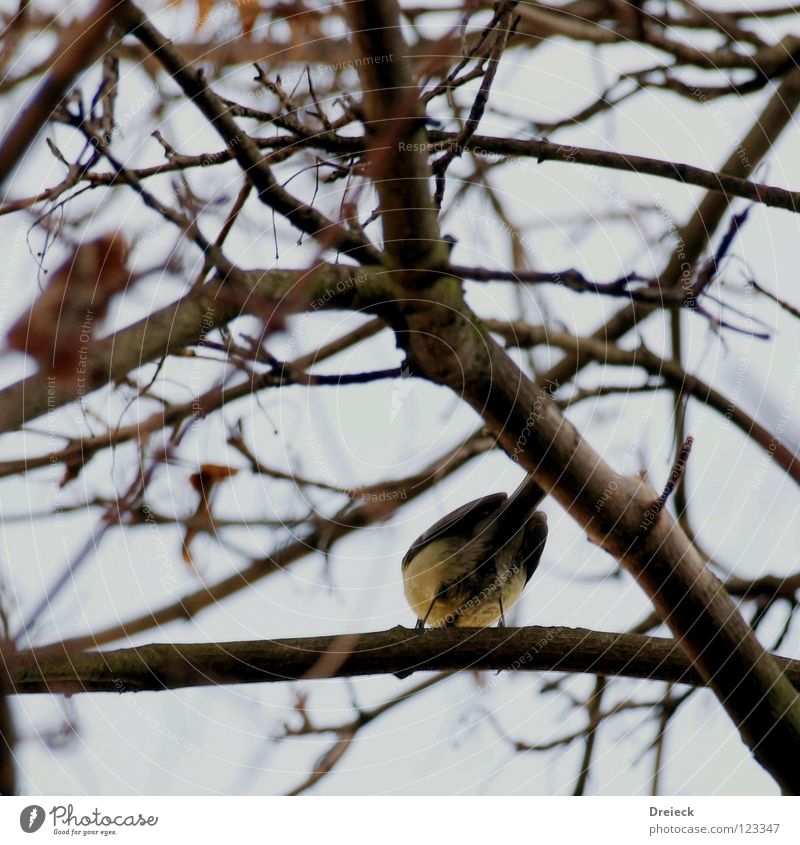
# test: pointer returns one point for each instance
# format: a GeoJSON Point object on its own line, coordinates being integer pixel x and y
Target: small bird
{"type": "Point", "coordinates": [470, 567]}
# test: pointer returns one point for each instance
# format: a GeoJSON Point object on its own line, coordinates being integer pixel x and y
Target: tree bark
{"type": "Point", "coordinates": [173, 666]}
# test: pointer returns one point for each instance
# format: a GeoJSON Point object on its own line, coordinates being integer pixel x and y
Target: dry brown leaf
{"type": "Point", "coordinates": [59, 327]}
{"type": "Point", "coordinates": [203, 481]}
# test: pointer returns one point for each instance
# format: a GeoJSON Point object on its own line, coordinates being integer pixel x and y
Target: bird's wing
{"type": "Point", "coordinates": [533, 543]}
{"type": "Point", "coordinates": [461, 521]}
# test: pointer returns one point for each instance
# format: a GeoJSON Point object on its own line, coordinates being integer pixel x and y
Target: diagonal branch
{"type": "Point", "coordinates": [587, 349]}
{"type": "Point", "coordinates": [79, 47]}
{"type": "Point", "coordinates": [614, 512]}
{"type": "Point", "coordinates": [695, 235]}
{"type": "Point", "coordinates": [244, 149]}
{"type": "Point", "coordinates": [721, 181]}
{"type": "Point", "coordinates": [267, 293]}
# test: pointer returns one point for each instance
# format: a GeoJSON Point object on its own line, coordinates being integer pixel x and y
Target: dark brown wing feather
{"type": "Point", "coordinates": [533, 544]}
{"type": "Point", "coordinates": [460, 522]}
{"type": "Point", "coordinates": [522, 503]}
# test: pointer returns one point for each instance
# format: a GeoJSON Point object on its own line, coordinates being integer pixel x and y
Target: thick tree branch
{"type": "Point", "coordinates": [175, 665]}
{"type": "Point", "coordinates": [396, 138]}
{"type": "Point", "coordinates": [269, 294]}
{"type": "Point", "coordinates": [613, 511]}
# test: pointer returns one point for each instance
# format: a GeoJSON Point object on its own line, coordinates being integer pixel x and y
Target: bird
{"type": "Point", "coordinates": [470, 567]}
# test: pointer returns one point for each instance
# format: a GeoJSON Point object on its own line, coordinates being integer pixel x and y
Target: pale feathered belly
{"type": "Point", "coordinates": [469, 602]}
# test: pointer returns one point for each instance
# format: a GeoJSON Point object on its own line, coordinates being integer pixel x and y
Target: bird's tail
{"type": "Point", "coordinates": [523, 501]}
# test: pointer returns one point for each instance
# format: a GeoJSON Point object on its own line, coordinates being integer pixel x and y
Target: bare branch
{"type": "Point", "coordinates": [267, 293]}
{"type": "Point", "coordinates": [695, 235]}
{"type": "Point", "coordinates": [79, 47]}
{"type": "Point", "coordinates": [324, 533]}
{"type": "Point", "coordinates": [586, 349]}
{"type": "Point", "coordinates": [177, 665]}
{"type": "Point", "coordinates": [722, 181]}
{"type": "Point", "coordinates": [246, 152]}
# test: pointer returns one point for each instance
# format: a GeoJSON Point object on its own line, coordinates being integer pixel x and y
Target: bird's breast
{"type": "Point", "coordinates": [434, 566]}
{"type": "Point", "coordinates": [466, 595]}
